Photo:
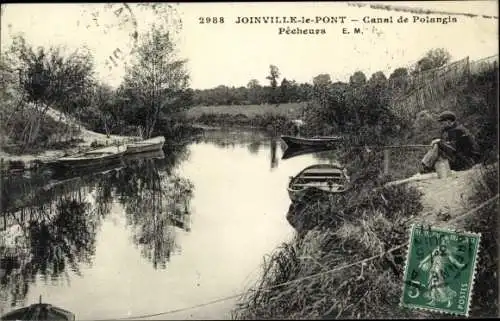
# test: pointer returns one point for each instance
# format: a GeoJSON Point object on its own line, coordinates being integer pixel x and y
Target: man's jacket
{"type": "Point", "coordinates": [460, 147]}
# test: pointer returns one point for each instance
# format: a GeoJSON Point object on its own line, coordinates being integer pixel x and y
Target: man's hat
{"type": "Point", "coordinates": [447, 115]}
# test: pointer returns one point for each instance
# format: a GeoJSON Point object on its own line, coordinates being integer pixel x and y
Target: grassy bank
{"type": "Point", "coordinates": [317, 274]}
{"type": "Point", "coordinates": [337, 232]}
{"type": "Point", "coordinates": [337, 266]}
{"type": "Point", "coordinates": [275, 118]}
{"type": "Point", "coordinates": [290, 110]}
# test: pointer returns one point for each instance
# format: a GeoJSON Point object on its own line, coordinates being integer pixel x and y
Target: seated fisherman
{"type": "Point", "coordinates": [456, 144]}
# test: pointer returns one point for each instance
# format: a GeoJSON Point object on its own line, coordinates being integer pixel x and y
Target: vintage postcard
{"type": "Point", "coordinates": [249, 160]}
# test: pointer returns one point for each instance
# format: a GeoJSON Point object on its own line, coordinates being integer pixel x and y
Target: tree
{"type": "Point", "coordinates": [434, 58]}
{"type": "Point", "coordinates": [321, 84]}
{"type": "Point", "coordinates": [254, 83]}
{"type": "Point", "coordinates": [156, 81]}
{"type": "Point", "coordinates": [48, 78]}
{"type": "Point", "coordinates": [378, 78]}
{"type": "Point", "coordinates": [293, 91]}
{"type": "Point", "coordinates": [357, 79]}
{"type": "Point", "coordinates": [399, 78]}
{"type": "Point", "coordinates": [274, 74]}
{"type": "Point", "coordinates": [399, 72]}
{"type": "Point", "coordinates": [305, 91]}
{"type": "Point", "coordinates": [322, 80]}
{"type": "Point", "coordinates": [254, 92]}
{"type": "Point", "coordinates": [108, 108]}
{"type": "Point", "coordinates": [284, 91]}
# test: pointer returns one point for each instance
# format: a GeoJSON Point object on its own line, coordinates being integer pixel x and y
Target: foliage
{"type": "Point", "coordinates": [434, 58]}
{"type": "Point", "coordinates": [273, 76]}
{"type": "Point", "coordinates": [357, 79]}
{"type": "Point", "coordinates": [485, 221]}
{"type": "Point", "coordinates": [46, 77]}
{"type": "Point", "coordinates": [289, 91]}
{"type": "Point", "coordinates": [398, 78]}
{"type": "Point", "coordinates": [154, 84]}
{"type": "Point", "coordinates": [291, 110]}
{"type": "Point", "coordinates": [350, 107]}
{"type": "Point", "coordinates": [480, 112]}
{"type": "Point", "coordinates": [51, 135]}
{"type": "Point", "coordinates": [268, 121]}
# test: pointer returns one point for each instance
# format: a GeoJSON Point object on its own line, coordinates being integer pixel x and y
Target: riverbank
{"type": "Point", "coordinates": [291, 110]}
{"type": "Point", "coordinates": [83, 140]}
{"type": "Point", "coordinates": [325, 271]}
{"type": "Point", "coordinates": [273, 118]}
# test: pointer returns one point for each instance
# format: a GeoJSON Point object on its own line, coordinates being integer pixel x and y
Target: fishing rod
{"type": "Point", "coordinates": [298, 146]}
{"type": "Point", "coordinates": [394, 146]}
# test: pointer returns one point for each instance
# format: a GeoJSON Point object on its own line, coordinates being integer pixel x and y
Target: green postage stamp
{"type": "Point", "coordinates": [440, 270]}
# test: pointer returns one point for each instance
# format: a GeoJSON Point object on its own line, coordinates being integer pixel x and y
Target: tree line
{"type": "Point", "coordinates": [363, 104]}
{"type": "Point", "coordinates": [285, 90]}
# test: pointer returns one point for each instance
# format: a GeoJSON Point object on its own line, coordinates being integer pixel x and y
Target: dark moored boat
{"type": "Point", "coordinates": [148, 145]}
{"type": "Point", "coordinates": [320, 141]}
{"type": "Point", "coordinates": [324, 178]}
{"type": "Point", "coordinates": [39, 311]}
{"type": "Point", "coordinates": [293, 152]}
{"type": "Point", "coordinates": [95, 158]}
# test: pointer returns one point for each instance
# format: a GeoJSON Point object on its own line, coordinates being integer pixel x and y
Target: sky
{"type": "Point", "coordinates": [232, 54]}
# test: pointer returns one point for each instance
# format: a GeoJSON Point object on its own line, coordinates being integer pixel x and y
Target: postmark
{"type": "Point", "coordinates": [440, 270]}
{"type": "Point", "coordinates": [116, 16]}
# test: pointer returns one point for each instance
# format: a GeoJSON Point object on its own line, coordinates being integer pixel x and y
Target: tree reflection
{"type": "Point", "coordinates": [50, 224]}
{"type": "Point", "coordinates": [155, 203]}
{"type": "Point", "coordinates": [273, 148]}
{"type": "Point", "coordinates": [65, 241]}
{"type": "Point", "coordinates": [254, 147]}
{"type": "Point", "coordinates": [57, 237]}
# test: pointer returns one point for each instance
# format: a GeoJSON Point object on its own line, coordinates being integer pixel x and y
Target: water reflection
{"type": "Point", "coordinates": [57, 236]}
{"type": "Point", "coordinates": [61, 242]}
{"type": "Point", "coordinates": [138, 211]}
{"type": "Point", "coordinates": [273, 148]}
{"type": "Point", "coordinates": [253, 140]}
{"type": "Point", "coordinates": [50, 221]}
{"type": "Point", "coordinates": [154, 204]}
{"type": "Point", "coordinates": [254, 147]}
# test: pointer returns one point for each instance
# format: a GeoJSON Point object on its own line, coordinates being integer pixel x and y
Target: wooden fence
{"type": "Point", "coordinates": [425, 90]}
{"type": "Point", "coordinates": [428, 90]}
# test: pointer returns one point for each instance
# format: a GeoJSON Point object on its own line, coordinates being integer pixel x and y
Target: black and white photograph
{"type": "Point", "coordinates": [249, 160]}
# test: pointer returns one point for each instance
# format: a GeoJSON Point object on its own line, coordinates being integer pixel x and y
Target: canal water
{"type": "Point", "coordinates": [155, 233]}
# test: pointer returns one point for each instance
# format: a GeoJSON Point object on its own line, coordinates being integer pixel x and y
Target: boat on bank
{"type": "Point", "coordinates": [322, 178]}
{"type": "Point", "coordinates": [95, 158]}
{"type": "Point", "coordinates": [303, 142]}
{"type": "Point", "coordinates": [149, 145]}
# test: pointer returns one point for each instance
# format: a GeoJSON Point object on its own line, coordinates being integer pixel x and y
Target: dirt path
{"type": "Point", "coordinates": [446, 198]}
{"type": "Point", "coordinates": [87, 135]}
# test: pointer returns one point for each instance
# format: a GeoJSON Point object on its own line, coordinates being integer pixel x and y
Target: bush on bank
{"type": "Point", "coordinates": [51, 134]}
